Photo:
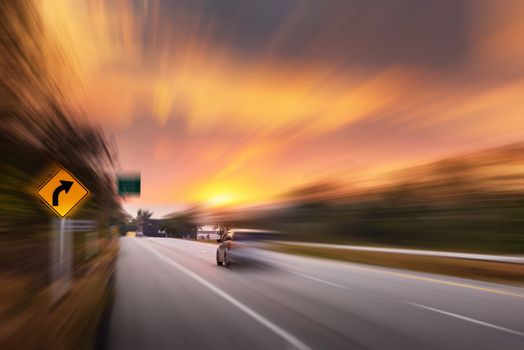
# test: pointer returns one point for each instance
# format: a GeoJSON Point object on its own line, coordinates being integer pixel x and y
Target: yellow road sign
{"type": "Point", "coordinates": [62, 192]}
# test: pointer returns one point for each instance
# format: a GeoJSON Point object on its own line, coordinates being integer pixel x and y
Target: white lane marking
{"type": "Point", "coordinates": [322, 281]}
{"type": "Point", "coordinates": [419, 305]}
{"type": "Point", "coordinates": [264, 321]}
{"type": "Point", "coordinates": [204, 251]}
{"type": "Point", "coordinates": [472, 320]}
{"type": "Point", "coordinates": [383, 271]}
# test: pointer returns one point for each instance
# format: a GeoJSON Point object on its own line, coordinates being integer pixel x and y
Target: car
{"type": "Point", "coordinates": [242, 246]}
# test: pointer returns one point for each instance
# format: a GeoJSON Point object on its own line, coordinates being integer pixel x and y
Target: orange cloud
{"type": "Point", "coordinates": [256, 125]}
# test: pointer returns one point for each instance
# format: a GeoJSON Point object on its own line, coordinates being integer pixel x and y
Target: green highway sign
{"type": "Point", "coordinates": [128, 185]}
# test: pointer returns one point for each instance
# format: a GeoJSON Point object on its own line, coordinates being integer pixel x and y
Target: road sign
{"type": "Point", "coordinates": [62, 192]}
{"type": "Point", "coordinates": [128, 185]}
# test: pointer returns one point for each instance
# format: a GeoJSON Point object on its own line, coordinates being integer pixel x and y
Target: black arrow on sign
{"type": "Point", "coordinates": [65, 186]}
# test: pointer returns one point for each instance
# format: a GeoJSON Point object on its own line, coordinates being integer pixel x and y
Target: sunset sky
{"type": "Point", "coordinates": [236, 102]}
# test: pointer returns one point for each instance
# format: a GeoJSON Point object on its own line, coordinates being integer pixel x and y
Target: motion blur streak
{"type": "Point", "coordinates": [277, 133]}
{"type": "Point", "coordinates": [40, 129]}
{"type": "Point", "coordinates": [374, 311]}
{"type": "Point", "coordinates": [234, 97]}
{"type": "Point", "coordinates": [265, 322]}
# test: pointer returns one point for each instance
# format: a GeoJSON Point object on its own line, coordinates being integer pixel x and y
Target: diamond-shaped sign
{"type": "Point", "coordinates": [62, 192]}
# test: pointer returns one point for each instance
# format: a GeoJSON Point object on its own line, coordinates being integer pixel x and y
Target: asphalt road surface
{"type": "Point", "coordinates": [170, 294]}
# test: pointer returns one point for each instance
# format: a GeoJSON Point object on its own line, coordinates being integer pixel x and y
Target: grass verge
{"type": "Point", "coordinates": [30, 321]}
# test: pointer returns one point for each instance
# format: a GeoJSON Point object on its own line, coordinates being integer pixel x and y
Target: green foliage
{"type": "Point", "coordinates": [181, 224]}
{"type": "Point", "coordinates": [143, 216]}
{"type": "Point", "coordinates": [467, 203]}
{"type": "Point", "coordinates": [39, 131]}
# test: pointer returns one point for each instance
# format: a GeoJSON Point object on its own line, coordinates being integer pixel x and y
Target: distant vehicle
{"type": "Point", "coordinates": [162, 233]}
{"type": "Point", "coordinates": [242, 246]}
{"type": "Point", "coordinates": [207, 232]}
{"type": "Point", "coordinates": [208, 236]}
{"type": "Point", "coordinates": [139, 233]}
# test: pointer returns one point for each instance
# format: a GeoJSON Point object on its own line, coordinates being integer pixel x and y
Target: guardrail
{"type": "Point", "coordinates": [455, 255]}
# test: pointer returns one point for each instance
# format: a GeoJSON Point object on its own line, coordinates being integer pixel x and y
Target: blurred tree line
{"type": "Point", "coordinates": [470, 203]}
{"type": "Point", "coordinates": [473, 202]}
{"type": "Point", "coordinates": [40, 130]}
{"type": "Point", "coordinates": [182, 224]}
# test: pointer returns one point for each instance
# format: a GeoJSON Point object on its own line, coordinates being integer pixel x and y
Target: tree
{"type": "Point", "coordinates": [142, 217]}
{"type": "Point", "coordinates": [222, 229]}
{"type": "Point", "coordinates": [39, 130]}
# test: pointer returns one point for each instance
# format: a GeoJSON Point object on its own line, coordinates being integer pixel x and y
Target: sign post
{"type": "Point", "coordinates": [61, 258]}
{"type": "Point", "coordinates": [61, 192]}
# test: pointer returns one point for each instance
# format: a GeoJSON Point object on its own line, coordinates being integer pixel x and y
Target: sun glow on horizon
{"type": "Point", "coordinates": [207, 118]}
{"type": "Point", "coordinates": [221, 200]}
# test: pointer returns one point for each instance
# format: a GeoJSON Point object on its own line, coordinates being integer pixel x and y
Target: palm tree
{"type": "Point", "coordinates": [142, 217]}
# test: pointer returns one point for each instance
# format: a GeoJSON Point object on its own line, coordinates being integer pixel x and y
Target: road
{"type": "Point", "coordinates": [171, 295]}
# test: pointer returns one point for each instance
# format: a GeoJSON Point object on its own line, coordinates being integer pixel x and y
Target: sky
{"type": "Point", "coordinates": [229, 102]}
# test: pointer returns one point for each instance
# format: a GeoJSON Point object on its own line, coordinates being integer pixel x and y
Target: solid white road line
{"type": "Point", "coordinates": [472, 320]}
{"type": "Point", "coordinates": [261, 319]}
